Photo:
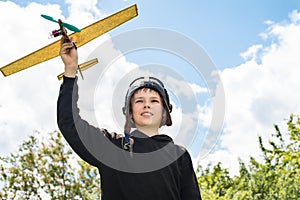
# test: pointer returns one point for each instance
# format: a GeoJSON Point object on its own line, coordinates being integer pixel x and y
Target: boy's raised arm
{"type": "Point", "coordinates": [69, 57]}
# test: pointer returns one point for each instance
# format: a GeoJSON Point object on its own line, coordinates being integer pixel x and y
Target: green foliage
{"type": "Point", "coordinates": [214, 182]}
{"type": "Point", "coordinates": [44, 170]}
{"type": "Point", "coordinates": [277, 177]}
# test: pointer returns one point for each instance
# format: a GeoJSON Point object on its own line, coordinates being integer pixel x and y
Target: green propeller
{"type": "Point", "coordinates": [68, 26]}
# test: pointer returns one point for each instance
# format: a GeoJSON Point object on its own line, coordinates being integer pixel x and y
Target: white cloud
{"type": "Point", "coordinates": [183, 88]}
{"type": "Point", "coordinates": [83, 13]}
{"type": "Point", "coordinates": [251, 52]}
{"type": "Point", "coordinates": [23, 92]}
{"type": "Point", "coordinates": [260, 94]}
{"type": "Point", "coordinates": [295, 17]}
{"type": "Point", "coordinates": [79, 7]}
{"type": "Point", "coordinates": [28, 98]}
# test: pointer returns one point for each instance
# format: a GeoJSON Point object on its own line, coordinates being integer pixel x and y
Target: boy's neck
{"type": "Point", "coordinates": [149, 131]}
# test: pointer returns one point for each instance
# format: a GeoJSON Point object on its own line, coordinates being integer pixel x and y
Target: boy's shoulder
{"type": "Point", "coordinates": [180, 147]}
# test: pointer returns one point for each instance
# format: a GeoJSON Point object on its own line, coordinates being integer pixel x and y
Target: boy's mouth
{"type": "Point", "coordinates": [146, 114]}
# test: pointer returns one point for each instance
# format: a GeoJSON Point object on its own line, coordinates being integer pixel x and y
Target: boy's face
{"type": "Point", "coordinates": [147, 108]}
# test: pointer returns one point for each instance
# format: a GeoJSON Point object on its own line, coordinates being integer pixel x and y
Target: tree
{"type": "Point", "coordinates": [277, 177]}
{"type": "Point", "coordinates": [46, 170]}
{"type": "Point", "coordinates": [214, 182]}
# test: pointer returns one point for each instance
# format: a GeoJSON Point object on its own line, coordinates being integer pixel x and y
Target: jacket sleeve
{"type": "Point", "coordinates": [189, 184]}
{"type": "Point", "coordinates": [70, 122]}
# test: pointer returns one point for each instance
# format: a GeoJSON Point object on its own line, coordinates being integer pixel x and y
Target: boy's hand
{"type": "Point", "coordinates": [69, 56]}
{"type": "Point", "coordinates": [115, 135]}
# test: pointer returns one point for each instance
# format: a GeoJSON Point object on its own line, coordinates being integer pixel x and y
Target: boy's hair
{"type": "Point", "coordinates": [153, 84]}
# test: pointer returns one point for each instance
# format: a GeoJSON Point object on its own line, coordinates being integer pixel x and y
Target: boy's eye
{"type": "Point", "coordinates": [141, 101]}
{"type": "Point", "coordinates": [155, 101]}
{"type": "Point", "coordinates": [138, 101]}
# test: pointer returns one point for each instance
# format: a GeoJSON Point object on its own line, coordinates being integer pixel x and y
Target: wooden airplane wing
{"type": "Point", "coordinates": [82, 66]}
{"type": "Point", "coordinates": [86, 35]}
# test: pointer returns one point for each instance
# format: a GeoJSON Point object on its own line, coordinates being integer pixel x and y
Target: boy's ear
{"type": "Point", "coordinates": [164, 118]}
{"type": "Point", "coordinates": [131, 119]}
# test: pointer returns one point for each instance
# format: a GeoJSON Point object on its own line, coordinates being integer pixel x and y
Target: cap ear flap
{"type": "Point", "coordinates": [170, 107]}
{"type": "Point", "coordinates": [168, 101]}
{"type": "Point", "coordinates": [124, 110]}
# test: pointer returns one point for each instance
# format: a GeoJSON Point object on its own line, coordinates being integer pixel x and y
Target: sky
{"type": "Point", "coordinates": [253, 45]}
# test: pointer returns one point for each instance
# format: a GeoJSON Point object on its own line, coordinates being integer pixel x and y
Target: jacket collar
{"type": "Point", "coordinates": [160, 137]}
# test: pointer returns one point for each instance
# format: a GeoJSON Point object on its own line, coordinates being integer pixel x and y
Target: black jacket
{"type": "Point", "coordinates": [166, 174]}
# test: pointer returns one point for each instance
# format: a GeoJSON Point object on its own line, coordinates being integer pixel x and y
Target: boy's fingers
{"type": "Point", "coordinates": [131, 141]}
{"type": "Point", "coordinates": [67, 45]}
{"type": "Point", "coordinates": [115, 135]}
{"type": "Point", "coordinates": [119, 136]}
{"type": "Point", "coordinates": [62, 40]}
{"type": "Point", "coordinates": [64, 48]}
{"type": "Point", "coordinates": [112, 134]}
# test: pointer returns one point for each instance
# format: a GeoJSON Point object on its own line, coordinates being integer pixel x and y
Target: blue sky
{"type": "Point", "coordinates": [224, 29]}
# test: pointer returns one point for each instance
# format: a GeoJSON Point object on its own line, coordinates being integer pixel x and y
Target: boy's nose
{"type": "Point", "coordinates": [146, 105]}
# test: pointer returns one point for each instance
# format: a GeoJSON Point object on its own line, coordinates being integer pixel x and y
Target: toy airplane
{"type": "Point", "coordinates": [81, 37]}
{"type": "Point", "coordinates": [82, 67]}
{"type": "Point", "coordinates": [63, 31]}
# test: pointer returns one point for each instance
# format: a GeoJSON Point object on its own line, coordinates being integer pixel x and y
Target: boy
{"type": "Point", "coordinates": [147, 108]}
